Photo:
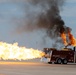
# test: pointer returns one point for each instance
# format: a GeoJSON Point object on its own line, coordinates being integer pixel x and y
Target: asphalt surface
{"type": "Point", "coordinates": [35, 68]}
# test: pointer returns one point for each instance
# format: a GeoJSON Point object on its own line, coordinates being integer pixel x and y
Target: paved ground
{"type": "Point", "coordinates": [35, 68]}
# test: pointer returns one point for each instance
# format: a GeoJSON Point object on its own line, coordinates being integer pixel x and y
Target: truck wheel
{"type": "Point", "coordinates": [64, 61]}
{"type": "Point", "coordinates": [59, 61]}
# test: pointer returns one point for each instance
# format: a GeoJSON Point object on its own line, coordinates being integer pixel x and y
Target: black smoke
{"type": "Point", "coordinates": [44, 14]}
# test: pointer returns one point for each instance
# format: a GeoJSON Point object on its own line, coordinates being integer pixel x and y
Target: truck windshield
{"type": "Point", "coordinates": [48, 52]}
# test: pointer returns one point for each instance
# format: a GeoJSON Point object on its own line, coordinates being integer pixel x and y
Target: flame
{"type": "Point", "coordinates": [14, 52]}
{"type": "Point", "coordinates": [63, 36]}
{"type": "Point", "coordinates": [72, 39]}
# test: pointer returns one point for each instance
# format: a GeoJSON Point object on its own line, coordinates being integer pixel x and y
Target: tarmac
{"type": "Point", "coordinates": [35, 67]}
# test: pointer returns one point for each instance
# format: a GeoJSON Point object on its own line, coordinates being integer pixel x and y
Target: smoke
{"type": "Point", "coordinates": [44, 14]}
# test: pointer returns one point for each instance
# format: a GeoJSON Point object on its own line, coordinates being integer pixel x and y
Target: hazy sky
{"type": "Point", "coordinates": [69, 15]}
{"type": "Point", "coordinates": [12, 11]}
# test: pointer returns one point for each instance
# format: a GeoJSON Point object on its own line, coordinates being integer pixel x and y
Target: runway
{"type": "Point", "coordinates": [35, 68]}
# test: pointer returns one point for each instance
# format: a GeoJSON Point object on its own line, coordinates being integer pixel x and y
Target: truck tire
{"type": "Point", "coordinates": [64, 61]}
{"type": "Point", "coordinates": [59, 61]}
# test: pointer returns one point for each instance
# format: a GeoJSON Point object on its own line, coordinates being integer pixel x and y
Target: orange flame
{"type": "Point", "coordinates": [63, 36]}
{"type": "Point", "coordinates": [13, 52]}
{"type": "Point", "coordinates": [72, 39]}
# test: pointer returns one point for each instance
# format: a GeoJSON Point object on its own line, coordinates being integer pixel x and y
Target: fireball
{"type": "Point", "coordinates": [14, 52]}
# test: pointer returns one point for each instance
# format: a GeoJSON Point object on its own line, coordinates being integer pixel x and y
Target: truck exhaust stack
{"type": "Point", "coordinates": [74, 49]}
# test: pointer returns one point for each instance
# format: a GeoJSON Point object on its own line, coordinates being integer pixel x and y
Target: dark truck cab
{"type": "Point", "coordinates": [63, 56]}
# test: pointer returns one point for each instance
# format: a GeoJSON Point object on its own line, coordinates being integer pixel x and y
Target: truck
{"type": "Point", "coordinates": [62, 56]}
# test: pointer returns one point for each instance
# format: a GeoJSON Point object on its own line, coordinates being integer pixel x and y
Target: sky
{"type": "Point", "coordinates": [69, 14]}
{"type": "Point", "coordinates": [12, 11]}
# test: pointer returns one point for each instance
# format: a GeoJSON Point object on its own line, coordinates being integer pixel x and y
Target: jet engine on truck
{"type": "Point", "coordinates": [63, 56]}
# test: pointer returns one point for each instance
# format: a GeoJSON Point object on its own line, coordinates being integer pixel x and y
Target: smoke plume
{"type": "Point", "coordinates": [44, 14]}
